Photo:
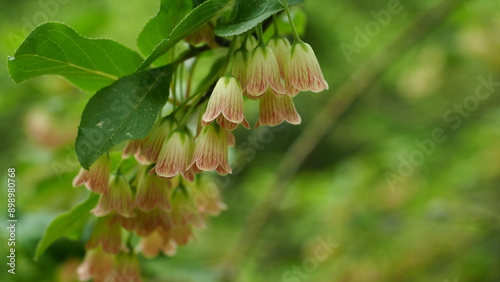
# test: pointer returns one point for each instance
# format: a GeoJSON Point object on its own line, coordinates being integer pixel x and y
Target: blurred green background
{"type": "Point", "coordinates": [436, 219]}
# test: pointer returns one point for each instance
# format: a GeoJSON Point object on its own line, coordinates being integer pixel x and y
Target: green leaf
{"type": "Point", "coordinates": [194, 20]}
{"type": "Point", "coordinates": [65, 223]}
{"type": "Point", "coordinates": [248, 14]}
{"type": "Point", "coordinates": [55, 48]}
{"type": "Point", "coordinates": [125, 110]}
{"type": "Point", "coordinates": [159, 27]}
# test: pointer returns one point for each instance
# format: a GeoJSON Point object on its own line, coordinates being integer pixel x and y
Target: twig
{"type": "Point", "coordinates": [341, 100]}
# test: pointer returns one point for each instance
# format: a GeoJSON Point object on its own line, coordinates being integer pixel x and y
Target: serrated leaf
{"type": "Point", "coordinates": [160, 26]}
{"type": "Point", "coordinates": [194, 20]}
{"type": "Point", "coordinates": [125, 110]}
{"type": "Point", "coordinates": [55, 48]}
{"type": "Point", "coordinates": [248, 14]}
{"type": "Point", "coordinates": [65, 223]}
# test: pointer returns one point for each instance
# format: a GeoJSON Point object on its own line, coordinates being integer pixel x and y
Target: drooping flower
{"type": "Point", "coordinates": [304, 70]}
{"type": "Point", "coordinates": [96, 265]}
{"type": "Point", "coordinates": [118, 198]}
{"type": "Point", "coordinates": [151, 145]}
{"type": "Point", "coordinates": [106, 235]}
{"type": "Point", "coordinates": [175, 156]}
{"type": "Point", "coordinates": [152, 192]}
{"type": "Point", "coordinates": [182, 235]}
{"type": "Point", "coordinates": [97, 177]}
{"type": "Point", "coordinates": [126, 268]}
{"type": "Point", "coordinates": [211, 151]}
{"type": "Point", "coordinates": [225, 104]}
{"type": "Point", "coordinates": [275, 109]}
{"type": "Point", "coordinates": [263, 73]}
{"type": "Point", "coordinates": [281, 48]}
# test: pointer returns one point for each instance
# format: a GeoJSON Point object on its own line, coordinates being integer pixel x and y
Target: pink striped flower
{"type": "Point", "coordinates": [275, 109]}
{"type": "Point", "coordinates": [96, 265]}
{"type": "Point", "coordinates": [118, 198]}
{"type": "Point", "coordinates": [304, 70]}
{"type": "Point", "coordinates": [175, 156]}
{"type": "Point", "coordinates": [225, 104]}
{"type": "Point", "coordinates": [210, 152]}
{"type": "Point", "coordinates": [151, 145]}
{"type": "Point", "coordinates": [156, 242]}
{"type": "Point", "coordinates": [207, 196]}
{"type": "Point", "coordinates": [263, 73]}
{"type": "Point", "coordinates": [152, 192]}
{"type": "Point", "coordinates": [97, 177]}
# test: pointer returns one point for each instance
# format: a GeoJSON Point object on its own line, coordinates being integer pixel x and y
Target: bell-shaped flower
{"type": "Point", "coordinates": [226, 103]}
{"type": "Point", "coordinates": [97, 177]}
{"type": "Point", "coordinates": [126, 268]}
{"type": "Point", "coordinates": [96, 265]}
{"type": "Point", "coordinates": [304, 71]}
{"type": "Point", "coordinates": [175, 156]}
{"type": "Point", "coordinates": [275, 109]}
{"type": "Point", "coordinates": [204, 34]}
{"type": "Point", "coordinates": [211, 152]}
{"type": "Point", "coordinates": [152, 192]}
{"type": "Point", "coordinates": [107, 235]}
{"type": "Point", "coordinates": [119, 198]}
{"type": "Point", "coordinates": [182, 235]}
{"type": "Point", "coordinates": [151, 145]}
{"type": "Point", "coordinates": [263, 73]}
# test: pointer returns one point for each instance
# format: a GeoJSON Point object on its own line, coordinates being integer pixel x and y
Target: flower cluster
{"type": "Point", "coordinates": [159, 199]}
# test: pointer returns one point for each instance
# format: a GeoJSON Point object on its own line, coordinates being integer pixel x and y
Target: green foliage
{"type": "Point", "coordinates": [65, 223]}
{"type": "Point", "coordinates": [158, 28]}
{"type": "Point", "coordinates": [55, 48]}
{"type": "Point", "coordinates": [123, 111]}
{"type": "Point", "coordinates": [194, 20]}
{"type": "Point", "coordinates": [248, 14]}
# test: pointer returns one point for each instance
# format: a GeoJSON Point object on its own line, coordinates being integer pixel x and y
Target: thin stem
{"type": "Point", "coordinates": [296, 36]}
{"type": "Point", "coordinates": [232, 48]}
{"type": "Point", "coordinates": [181, 105]}
{"type": "Point", "coordinates": [275, 25]}
{"type": "Point", "coordinates": [260, 35]}
{"type": "Point", "coordinates": [190, 76]}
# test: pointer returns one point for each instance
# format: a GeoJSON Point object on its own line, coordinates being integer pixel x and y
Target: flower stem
{"type": "Point", "coordinates": [260, 35]}
{"type": "Point", "coordinates": [275, 24]}
{"type": "Point", "coordinates": [296, 36]}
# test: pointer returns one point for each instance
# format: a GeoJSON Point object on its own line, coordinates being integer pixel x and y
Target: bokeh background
{"type": "Point", "coordinates": [367, 204]}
